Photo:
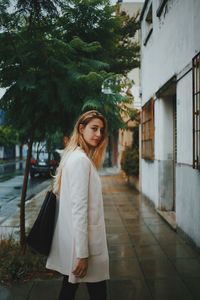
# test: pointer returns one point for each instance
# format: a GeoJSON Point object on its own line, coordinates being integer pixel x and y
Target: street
{"type": "Point", "coordinates": [11, 180]}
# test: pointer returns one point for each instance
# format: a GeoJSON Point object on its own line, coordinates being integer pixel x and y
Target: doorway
{"type": "Point", "coordinates": [167, 163]}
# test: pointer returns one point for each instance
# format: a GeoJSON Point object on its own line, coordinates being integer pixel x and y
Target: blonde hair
{"type": "Point", "coordinates": [96, 154]}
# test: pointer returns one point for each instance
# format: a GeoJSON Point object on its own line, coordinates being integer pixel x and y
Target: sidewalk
{"type": "Point", "coordinates": [148, 260]}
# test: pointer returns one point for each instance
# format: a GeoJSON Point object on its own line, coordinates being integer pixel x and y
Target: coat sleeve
{"type": "Point", "coordinates": [79, 191]}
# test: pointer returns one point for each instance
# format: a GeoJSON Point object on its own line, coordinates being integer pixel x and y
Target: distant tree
{"type": "Point", "coordinates": [130, 162]}
{"type": "Point", "coordinates": [8, 136]}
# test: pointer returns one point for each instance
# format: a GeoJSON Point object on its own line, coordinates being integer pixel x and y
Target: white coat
{"type": "Point", "coordinates": [80, 226]}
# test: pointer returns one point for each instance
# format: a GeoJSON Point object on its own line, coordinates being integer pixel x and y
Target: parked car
{"type": "Point", "coordinates": [45, 164]}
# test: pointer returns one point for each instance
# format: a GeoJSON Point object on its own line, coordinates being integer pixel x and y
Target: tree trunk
{"type": "Point", "coordinates": [110, 150]}
{"type": "Point", "coordinates": [114, 144]}
{"type": "Point", "coordinates": [21, 151]}
{"type": "Point", "coordinates": [23, 196]}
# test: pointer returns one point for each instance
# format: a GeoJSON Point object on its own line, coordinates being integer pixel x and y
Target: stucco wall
{"type": "Point", "coordinates": [172, 44]}
{"type": "Point", "coordinates": [163, 129]}
{"type": "Point", "coordinates": [149, 180]}
{"type": "Point", "coordinates": [188, 201]}
{"type": "Point", "coordinates": [171, 47]}
{"type": "Point", "coordinates": [184, 120]}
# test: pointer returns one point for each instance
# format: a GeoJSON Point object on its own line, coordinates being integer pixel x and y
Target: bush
{"type": "Point", "coordinates": [130, 161]}
{"type": "Point", "coordinates": [18, 266]}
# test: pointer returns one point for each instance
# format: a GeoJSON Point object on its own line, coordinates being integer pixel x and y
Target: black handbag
{"type": "Point", "coordinates": [41, 234]}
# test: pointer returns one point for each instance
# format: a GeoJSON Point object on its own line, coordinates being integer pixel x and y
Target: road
{"type": "Point", "coordinates": [11, 179]}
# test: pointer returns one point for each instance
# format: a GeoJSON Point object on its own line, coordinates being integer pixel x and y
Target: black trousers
{"type": "Point", "coordinates": [96, 290]}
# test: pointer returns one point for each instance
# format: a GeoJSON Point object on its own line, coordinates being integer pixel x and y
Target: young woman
{"type": "Point", "coordinates": [79, 247]}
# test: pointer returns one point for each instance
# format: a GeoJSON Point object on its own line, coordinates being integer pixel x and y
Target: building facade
{"type": "Point", "coordinates": [131, 8]}
{"type": "Point", "coordinates": [170, 123]}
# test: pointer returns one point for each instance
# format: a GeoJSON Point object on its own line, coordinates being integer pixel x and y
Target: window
{"type": "Point", "coordinates": [148, 24]}
{"type": "Point", "coordinates": [196, 110]}
{"type": "Point", "coordinates": [147, 122]}
{"type": "Point", "coordinates": [161, 7]}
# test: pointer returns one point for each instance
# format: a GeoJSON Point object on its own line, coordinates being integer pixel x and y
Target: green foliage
{"type": "Point", "coordinates": [18, 266]}
{"type": "Point", "coordinates": [8, 136]}
{"type": "Point", "coordinates": [55, 57]}
{"type": "Point", "coordinates": [112, 103]}
{"type": "Point", "coordinates": [96, 20]}
{"type": "Point", "coordinates": [130, 161]}
{"type": "Point", "coordinates": [44, 75]}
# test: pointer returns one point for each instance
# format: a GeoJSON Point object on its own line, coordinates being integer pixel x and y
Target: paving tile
{"type": "Point", "coordinates": [137, 229]}
{"type": "Point", "coordinates": [82, 293]}
{"type": "Point", "coordinates": [133, 221]}
{"type": "Point", "coordinates": [149, 214]}
{"type": "Point", "coordinates": [129, 290]}
{"type": "Point", "coordinates": [112, 216]}
{"type": "Point", "coordinates": [114, 222]}
{"type": "Point", "coordinates": [121, 251]}
{"type": "Point", "coordinates": [139, 239]}
{"type": "Point", "coordinates": [125, 268]}
{"type": "Point", "coordinates": [162, 228]}
{"type": "Point", "coordinates": [149, 252]}
{"type": "Point", "coordinates": [187, 267]}
{"type": "Point", "coordinates": [169, 239]}
{"type": "Point", "coordinates": [123, 204]}
{"type": "Point", "coordinates": [16, 292]}
{"type": "Point", "coordinates": [180, 251]}
{"type": "Point", "coordinates": [158, 268]}
{"type": "Point", "coordinates": [193, 285]}
{"type": "Point", "coordinates": [165, 289]}
{"type": "Point", "coordinates": [129, 214]}
{"type": "Point", "coordinates": [45, 289]}
{"type": "Point", "coordinates": [127, 208]}
{"type": "Point", "coordinates": [118, 238]}
{"type": "Point", "coordinates": [116, 229]}
{"type": "Point", "coordinates": [153, 221]}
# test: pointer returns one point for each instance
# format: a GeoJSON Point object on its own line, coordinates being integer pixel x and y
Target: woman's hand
{"type": "Point", "coordinates": [81, 268]}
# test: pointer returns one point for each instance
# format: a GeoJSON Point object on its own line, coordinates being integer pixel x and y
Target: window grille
{"type": "Point", "coordinates": [148, 24]}
{"type": "Point", "coordinates": [196, 111]}
{"type": "Point", "coordinates": [147, 122]}
{"type": "Point", "coordinates": [162, 4]}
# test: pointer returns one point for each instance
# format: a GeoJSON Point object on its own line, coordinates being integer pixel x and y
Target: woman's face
{"type": "Point", "coordinates": [92, 132]}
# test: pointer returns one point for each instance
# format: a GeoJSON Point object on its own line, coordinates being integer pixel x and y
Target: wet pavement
{"type": "Point", "coordinates": [10, 193]}
{"type": "Point", "coordinates": [10, 169]}
{"type": "Point", "coordinates": [148, 260]}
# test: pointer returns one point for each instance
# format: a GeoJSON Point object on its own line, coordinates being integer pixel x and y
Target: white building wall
{"type": "Point", "coordinates": [149, 180]}
{"type": "Point", "coordinates": [163, 146]}
{"type": "Point", "coordinates": [1, 152]}
{"type": "Point", "coordinates": [174, 41]}
{"type": "Point", "coordinates": [184, 120]}
{"type": "Point", "coordinates": [188, 179]}
{"type": "Point", "coordinates": [188, 201]}
{"type": "Point", "coordinates": [17, 151]}
{"type": "Point", "coordinates": [132, 8]}
{"type": "Point", "coordinates": [169, 50]}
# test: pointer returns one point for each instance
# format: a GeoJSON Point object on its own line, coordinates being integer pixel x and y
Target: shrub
{"type": "Point", "coordinates": [130, 161]}
{"type": "Point", "coordinates": [18, 266]}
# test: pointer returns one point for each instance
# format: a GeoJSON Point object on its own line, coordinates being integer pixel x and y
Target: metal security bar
{"type": "Point", "coordinates": [196, 110]}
